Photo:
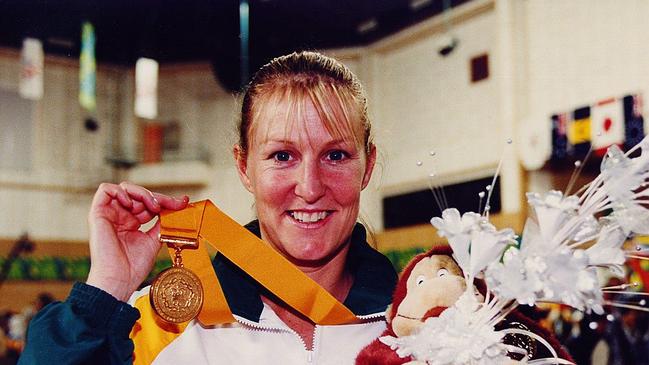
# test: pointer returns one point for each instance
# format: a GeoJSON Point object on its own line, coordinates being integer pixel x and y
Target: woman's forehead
{"type": "Point", "coordinates": [294, 117]}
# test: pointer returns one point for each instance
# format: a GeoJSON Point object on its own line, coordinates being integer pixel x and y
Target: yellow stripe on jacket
{"type": "Point", "coordinates": [151, 334]}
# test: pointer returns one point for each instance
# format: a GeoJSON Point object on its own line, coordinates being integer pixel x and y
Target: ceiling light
{"type": "Point", "coordinates": [60, 42]}
{"type": "Point", "coordinates": [367, 26]}
{"type": "Point", "coordinates": [418, 4]}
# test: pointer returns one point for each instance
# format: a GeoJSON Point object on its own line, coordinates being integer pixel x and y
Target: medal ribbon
{"type": "Point", "coordinates": [252, 255]}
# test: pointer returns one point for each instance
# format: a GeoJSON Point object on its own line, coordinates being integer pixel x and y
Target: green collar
{"type": "Point", "coordinates": [374, 280]}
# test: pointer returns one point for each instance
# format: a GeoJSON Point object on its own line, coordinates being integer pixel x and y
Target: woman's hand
{"type": "Point", "coordinates": [121, 256]}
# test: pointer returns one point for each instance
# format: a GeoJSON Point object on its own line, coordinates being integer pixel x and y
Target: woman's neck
{"type": "Point", "coordinates": [336, 281]}
{"type": "Point", "coordinates": [332, 275]}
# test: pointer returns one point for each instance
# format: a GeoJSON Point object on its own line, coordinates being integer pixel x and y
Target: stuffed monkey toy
{"type": "Point", "coordinates": [430, 283]}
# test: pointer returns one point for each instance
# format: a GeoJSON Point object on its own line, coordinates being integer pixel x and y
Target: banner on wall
{"type": "Point", "coordinates": [146, 88]}
{"type": "Point", "coordinates": [633, 120]}
{"type": "Point", "coordinates": [607, 125]}
{"type": "Point", "coordinates": [610, 121]}
{"type": "Point", "coordinates": [87, 69]}
{"type": "Point", "coordinates": [559, 136]}
{"type": "Point", "coordinates": [31, 69]}
{"type": "Point", "coordinates": [579, 137]}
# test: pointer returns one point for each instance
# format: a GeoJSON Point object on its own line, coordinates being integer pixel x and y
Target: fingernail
{"type": "Point", "coordinates": [186, 199]}
{"type": "Point", "coordinates": [155, 202]}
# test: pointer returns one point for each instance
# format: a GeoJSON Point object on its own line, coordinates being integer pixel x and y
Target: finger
{"type": "Point", "coordinates": [173, 203]}
{"type": "Point", "coordinates": [107, 192]}
{"type": "Point", "coordinates": [138, 207]}
{"type": "Point", "coordinates": [145, 216]}
{"type": "Point", "coordinates": [139, 193]}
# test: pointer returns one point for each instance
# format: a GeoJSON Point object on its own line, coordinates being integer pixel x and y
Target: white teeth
{"type": "Point", "coordinates": [309, 217]}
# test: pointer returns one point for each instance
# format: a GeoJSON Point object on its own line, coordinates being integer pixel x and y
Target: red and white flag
{"type": "Point", "coordinates": [607, 128]}
{"type": "Point", "coordinates": [31, 69]}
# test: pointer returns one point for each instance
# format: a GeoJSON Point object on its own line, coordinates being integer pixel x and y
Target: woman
{"type": "Point", "coordinates": [305, 153]}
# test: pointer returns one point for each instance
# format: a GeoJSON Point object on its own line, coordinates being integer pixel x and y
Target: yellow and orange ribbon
{"type": "Point", "coordinates": [204, 222]}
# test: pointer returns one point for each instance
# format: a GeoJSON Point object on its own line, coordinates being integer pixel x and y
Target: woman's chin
{"type": "Point", "coordinates": [313, 256]}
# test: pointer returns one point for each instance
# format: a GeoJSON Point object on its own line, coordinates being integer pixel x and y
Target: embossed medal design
{"type": "Point", "coordinates": [176, 293]}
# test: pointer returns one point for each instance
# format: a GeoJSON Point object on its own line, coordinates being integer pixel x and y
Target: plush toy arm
{"type": "Point", "coordinates": [378, 353]}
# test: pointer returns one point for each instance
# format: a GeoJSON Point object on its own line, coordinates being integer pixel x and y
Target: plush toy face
{"type": "Point", "coordinates": [436, 282]}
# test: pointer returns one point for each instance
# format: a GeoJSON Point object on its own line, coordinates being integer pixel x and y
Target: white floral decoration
{"type": "Point", "coordinates": [467, 338]}
{"type": "Point", "coordinates": [563, 243]}
{"type": "Point", "coordinates": [475, 241]}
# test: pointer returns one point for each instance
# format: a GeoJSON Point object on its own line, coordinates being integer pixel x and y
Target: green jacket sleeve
{"type": "Point", "coordinates": [90, 327]}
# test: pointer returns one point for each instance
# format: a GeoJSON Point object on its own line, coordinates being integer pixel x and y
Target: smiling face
{"type": "Point", "coordinates": [306, 179]}
{"type": "Point", "coordinates": [435, 282]}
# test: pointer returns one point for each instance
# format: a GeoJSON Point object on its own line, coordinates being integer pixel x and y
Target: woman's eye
{"type": "Point", "coordinates": [442, 272]}
{"type": "Point", "coordinates": [420, 279]}
{"type": "Point", "coordinates": [336, 155]}
{"type": "Point", "coordinates": [282, 156]}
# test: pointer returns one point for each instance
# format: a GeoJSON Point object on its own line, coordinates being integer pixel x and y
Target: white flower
{"type": "Point", "coordinates": [457, 230]}
{"type": "Point", "coordinates": [587, 229]}
{"type": "Point", "coordinates": [607, 251]}
{"type": "Point", "coordinates": [552, 210]}
{"type": "Point", "coordinates": [632, 218]}
{"type": "Point", "coordinates": [563, 276]}
{"type": "Point", "coordinates": [568, 279]}
{"type": "Point", "coordinates": [622, 178]}
{"type": "Point", "coordinates": [512, 279]}
{"type": "Point", "coordinates": [486, 247]}
{"type": "Point", "coordinates": [452, 224]}
{"type": "Point", "coordinates": [553, 199]}
{"type": "Point", "coordinates": [622, 175]}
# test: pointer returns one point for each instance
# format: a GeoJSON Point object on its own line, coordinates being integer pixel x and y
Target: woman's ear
{"type": "Point", "coordinates": [369, 165]}
{"type": "Point", "coordinates": [241, 159]}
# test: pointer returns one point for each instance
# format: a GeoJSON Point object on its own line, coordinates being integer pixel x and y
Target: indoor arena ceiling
{"type": "Point", "coordinates": [196, 30]}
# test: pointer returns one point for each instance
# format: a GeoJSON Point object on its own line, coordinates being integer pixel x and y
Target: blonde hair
{"type": "Point", "coordinates": [302, 77]}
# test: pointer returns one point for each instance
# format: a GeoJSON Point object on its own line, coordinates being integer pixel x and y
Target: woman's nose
{"type": "Point", "coordinates": [310, 185]}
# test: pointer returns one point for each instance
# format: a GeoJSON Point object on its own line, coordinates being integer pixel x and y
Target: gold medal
{"type": "Point", "coordinates": [176, 293]}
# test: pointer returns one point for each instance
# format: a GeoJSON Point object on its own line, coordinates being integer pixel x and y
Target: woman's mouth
{"type": "Point", "coordinates": [308, 217]}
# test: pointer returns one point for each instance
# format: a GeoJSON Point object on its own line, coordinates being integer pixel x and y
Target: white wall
{"type": "Point", "coordinates": [207, 116]}
{"type": "Point", "coordinates": [51, 199]}
{"type": "Point", "coordinates": [427, 103]}
{"type": "Point", "coordinates": [581, 52]}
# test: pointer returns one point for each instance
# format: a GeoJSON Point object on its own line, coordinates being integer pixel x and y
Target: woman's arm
{"type": "Point", "coordinates": [90, 327]}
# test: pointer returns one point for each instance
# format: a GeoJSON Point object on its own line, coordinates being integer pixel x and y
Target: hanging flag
{"type": "Point", "coordinates": [146, 88]}
{"type": "Point", "coordinates": [31, 69]}
{"type": "Point", "coordinates": [559, 137]}
{"type": "Point", "coordinates": [87, 69]}
{"type": "Point", "coordinates": [579, 133]}
{"type": "Point", "coordinates": [633, 120]}
{"type": "Point", "coordinates": [607, 125]}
